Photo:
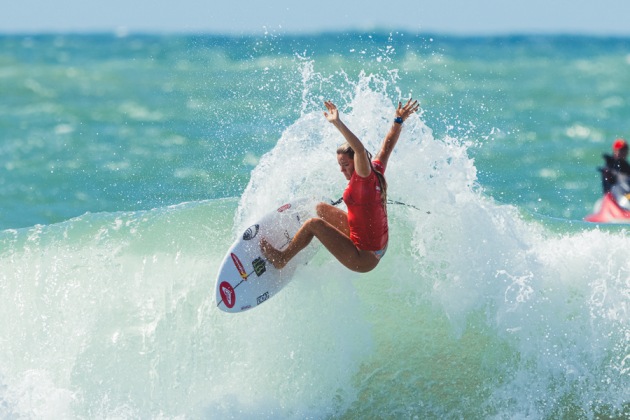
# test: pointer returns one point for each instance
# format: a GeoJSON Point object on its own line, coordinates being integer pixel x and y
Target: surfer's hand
{"type": "Point", "coordinates": [333, 114]}
{"type": "Point", "coordinates": [405, 111]}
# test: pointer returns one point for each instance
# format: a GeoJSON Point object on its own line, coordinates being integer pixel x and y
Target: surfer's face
{"type": "Point", "coordinates": [346, 164]}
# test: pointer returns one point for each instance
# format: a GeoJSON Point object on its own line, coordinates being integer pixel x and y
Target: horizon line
{"type": "Point", "coordinates": [122, 32]}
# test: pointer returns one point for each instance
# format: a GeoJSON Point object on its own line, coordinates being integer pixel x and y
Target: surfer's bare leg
{"type": "Point", "coordinates": [336, 217]}
{"type": "Point", "coordinates": [333, 239]}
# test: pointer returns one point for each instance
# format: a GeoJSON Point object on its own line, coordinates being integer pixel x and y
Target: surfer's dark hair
{"type": "Point", "coordinates": [346, 149]}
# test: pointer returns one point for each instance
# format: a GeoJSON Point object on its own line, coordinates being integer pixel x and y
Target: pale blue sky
{"type": "Point", "coordinates": [601, 17]}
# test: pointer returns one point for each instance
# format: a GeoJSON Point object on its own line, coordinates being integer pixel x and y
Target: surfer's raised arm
{"type": "Point", "coordinates": [361, 162]}
{"type": "Point", "coordinates": [402, 113]}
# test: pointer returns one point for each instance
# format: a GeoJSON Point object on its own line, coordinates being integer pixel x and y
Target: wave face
{"type": "Point", "coordinates": [478, 310]}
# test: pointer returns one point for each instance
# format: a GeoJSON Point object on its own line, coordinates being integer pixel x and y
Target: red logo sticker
{"type": "Point", "coordinates": [239, 266]}
{"type": "Point", "coordinates": [227, 294]}
{"type": "Point", "coordinates": [283, 208]}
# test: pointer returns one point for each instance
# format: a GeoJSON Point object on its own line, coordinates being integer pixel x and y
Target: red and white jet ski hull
{"type": "Point", "coordinates": [610, 212]}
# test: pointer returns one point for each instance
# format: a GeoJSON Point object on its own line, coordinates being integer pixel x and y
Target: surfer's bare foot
{"type": "Point", "coordinates": [272, 254]}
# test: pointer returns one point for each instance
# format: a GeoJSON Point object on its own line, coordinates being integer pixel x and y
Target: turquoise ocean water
{"type": "Point", "coordinates": [129, 165]}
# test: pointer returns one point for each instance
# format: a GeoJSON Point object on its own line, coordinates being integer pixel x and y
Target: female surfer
{"type": "Point", "coordinates": [358, 239]}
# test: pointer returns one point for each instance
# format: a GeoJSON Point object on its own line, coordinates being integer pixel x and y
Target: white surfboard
{"type": "Point", "coordinates": [246, 279]}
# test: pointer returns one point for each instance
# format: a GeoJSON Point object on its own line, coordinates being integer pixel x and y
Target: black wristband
{"type": "Point", "coordinates": [398, 120]}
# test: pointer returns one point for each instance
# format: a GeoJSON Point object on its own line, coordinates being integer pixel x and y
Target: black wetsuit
{"type": "Point", "coordinates": [613, 165]}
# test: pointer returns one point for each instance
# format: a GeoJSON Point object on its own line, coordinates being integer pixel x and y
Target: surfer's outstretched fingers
{"type": "Point", "coordinates": [408, 109]}
{"type": "Point", "coordinates": [332, 113]}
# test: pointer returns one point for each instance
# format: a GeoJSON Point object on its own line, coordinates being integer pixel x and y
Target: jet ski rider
{"type": "Point", "coordinates": [617, 170]}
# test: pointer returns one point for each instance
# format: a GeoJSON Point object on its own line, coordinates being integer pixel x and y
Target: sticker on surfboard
{"type": "Point", "coordinates": [251, 233]}
{"type": "Point", "coordinates": [227, 294]}
{"type": "Point", "coordinates": [239, 266]}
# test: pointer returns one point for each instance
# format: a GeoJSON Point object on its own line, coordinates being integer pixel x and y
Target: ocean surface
{"type": "Point", "coordinates": [128, 166]}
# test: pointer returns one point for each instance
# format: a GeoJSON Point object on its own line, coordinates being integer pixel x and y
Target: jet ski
{"type": "Point", "coordinates": [613, 207]}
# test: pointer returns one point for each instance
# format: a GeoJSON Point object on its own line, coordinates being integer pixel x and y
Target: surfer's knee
{"type": "Point", "coordinates": [313, 223]}
{"type": "Point", "coordinates": [322, 209]}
